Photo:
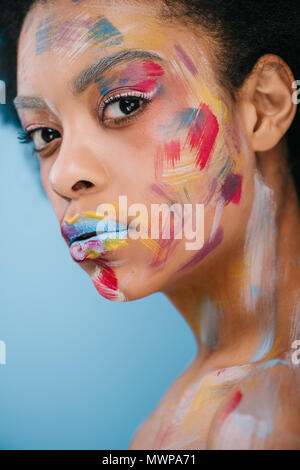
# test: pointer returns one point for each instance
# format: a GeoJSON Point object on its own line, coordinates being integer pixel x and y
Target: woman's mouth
{"type": "Point", "coordinates": [90, 238]}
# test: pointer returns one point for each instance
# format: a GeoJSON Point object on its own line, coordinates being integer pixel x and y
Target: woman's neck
{"type": "Point", "coordinates": [243, 309]}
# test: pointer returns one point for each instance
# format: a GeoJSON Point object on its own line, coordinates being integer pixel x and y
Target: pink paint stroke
{"type": "Point", "coordinates": [186, 60]}
{"type": "Point", "coordinates": [205, 250]}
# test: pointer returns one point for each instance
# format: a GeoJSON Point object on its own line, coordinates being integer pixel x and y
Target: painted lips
{"type": "Point", "coordinates": [91, 238]}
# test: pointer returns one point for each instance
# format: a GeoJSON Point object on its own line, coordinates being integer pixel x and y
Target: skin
{"type": "Point", "coordinates": [239, 293]}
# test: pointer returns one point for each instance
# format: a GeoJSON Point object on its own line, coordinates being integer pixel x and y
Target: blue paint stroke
{"type": "Point", "coordinates": [104, 85]}
{"type": "Point", "coordinates": [255, 291]}
{"type": "Point", "coordinates": [103, 31]}
{"type": "Point", "coordinates": [251, 425]}
{"type": "Point", "coordinates": [265, 346]}
{"type": "Point", "coordinates": [209, 325]}
{"type": "Point", "coordinates": [43, 39]}
{"type": "Point", "coordinates": [271, 363]}
{"type": "Point", "coordinates": [182, 120]}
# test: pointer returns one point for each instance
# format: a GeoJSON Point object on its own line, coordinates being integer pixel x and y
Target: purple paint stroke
{"type": "Point", "coordinates": [186, 60]}
{"type": "Point", "coordinates": [212, 191]}
{"type": "Point", "coordinates": [162, 257]}
{"type": "Point", "coordinates": [160, 192]}
{"type": "Point", "coordinates": [231, 189]}
{"type": "Point", "coordinates": [205, 250]}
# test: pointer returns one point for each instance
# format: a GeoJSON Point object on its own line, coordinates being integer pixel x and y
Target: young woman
{"type": "Point", "coordinates": [189, 107]}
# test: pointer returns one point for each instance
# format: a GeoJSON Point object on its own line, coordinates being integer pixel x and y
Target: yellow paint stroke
{"type": "Point", "coordinates": [115, 244]}
{"type": "Point", "coordinates": [109, 245]}
{"type": "Point", "coordinates": [276, 349]}
{"type": "Point", "coordinates": [151, 244]}
{"type": "Point", "coordinates": [152, 36]}
{"type": "Point", "coordinates": [93, 215]}
{"type": "Point", "coordinates": [217, 106]}
{"type": "Point", "coordinates": [93, 254]}
{"type": "Point", "coordinates": [89, 215]}
{"type": "Point", "coordinates": [71, 220]}
{"type": "Point", "coordinates": [203, 395]}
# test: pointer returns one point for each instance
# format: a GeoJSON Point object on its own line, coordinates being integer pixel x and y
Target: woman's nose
{"type": "Point", "coordinates": [77, 170]}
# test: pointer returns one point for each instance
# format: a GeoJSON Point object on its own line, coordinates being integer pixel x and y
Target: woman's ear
{"type": "Point", "coordinates": [266, 104]}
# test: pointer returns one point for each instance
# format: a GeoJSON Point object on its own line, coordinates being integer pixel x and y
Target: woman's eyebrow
{"type": "Point", "coordinates": [92, 72]}
{"type": "Point", "coordinates": [29, 102]}
{"type": "Point", "coordinates": [88, 75]}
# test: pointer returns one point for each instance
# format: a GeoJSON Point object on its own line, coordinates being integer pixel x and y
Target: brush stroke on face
{"type": "Point", "coordinates": [203, 134]}
{"type": "Point", "coordinates": [208, 247]}
{"type": "Point", "coordinates": [106, 283]}
{"type": "Point", "coordinates": [232, 188]}
{"type": "Point", "coordinates": [185, 59]}
{"type": "Point", "coordinates": [81, 30]}
{"type": "Point", "coordinates": [163, 248]}
{"type": "Point", "coordinates": [198, 124]}
{"type": "Point", "coordinates": [226, 182]}
{"type": "Point", "coordinates": [203, 130]}
{"type": "Point", "coordinates": [143, 77]}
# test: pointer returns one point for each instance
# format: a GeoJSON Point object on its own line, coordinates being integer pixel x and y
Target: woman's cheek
{"type": "Point", "coordinates": [198, 160]}
{"type": "Point", "coordinates": [192, 132]}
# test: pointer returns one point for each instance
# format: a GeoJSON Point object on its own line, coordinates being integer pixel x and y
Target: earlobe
{"type": "Point", "coordinates": [268, 105]}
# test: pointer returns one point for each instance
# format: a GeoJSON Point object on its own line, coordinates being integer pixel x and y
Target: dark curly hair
{"type": "Point", "coordinates": [244, 30]}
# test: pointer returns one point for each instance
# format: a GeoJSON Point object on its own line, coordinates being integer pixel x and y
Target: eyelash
{"type": "Point", "coordinates": [146, 97]}
{"type": "Point", "coordinates": [25, 137]}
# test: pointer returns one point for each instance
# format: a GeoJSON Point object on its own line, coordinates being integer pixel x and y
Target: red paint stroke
{"type": "Point", "coordinates": [107, 283]}
{"type": "Point", "coordinates": [232, 188]}
{"type": "Point", "coordinates": [203, 134]}
{"type": "Point", "coordinates": [169, 152]}
{"type": "Point", "coordinates": [205, 250]}
{"type": "Point", "coordinates": [231, 406]}
{"type": "Point", "coordinates": [143, 77]}
{"type": "Point", "coordinates": [152, 69]}
{"type": "Point", "coordinates": [161, 437]}
{"type": "Point", "coordinates": [186, 60]}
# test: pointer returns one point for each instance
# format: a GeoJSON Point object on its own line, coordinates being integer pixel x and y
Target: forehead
{"type": "Point", "coordinates": [64, 33]}
{"type": "Point", "coordinates": [64, 23]}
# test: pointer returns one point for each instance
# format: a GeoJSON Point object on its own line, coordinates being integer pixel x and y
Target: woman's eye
{"type": "Point", "coordinates": [42, 137]}
{"type": "Point", "coordinates": [122, 108]}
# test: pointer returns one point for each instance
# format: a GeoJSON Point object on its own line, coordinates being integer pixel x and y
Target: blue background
{"type": "Point", "coordinates": [81, 372]}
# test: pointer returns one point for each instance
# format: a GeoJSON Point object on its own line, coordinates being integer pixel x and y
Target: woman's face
{"type": "Point", "coordinates": [126, 108]}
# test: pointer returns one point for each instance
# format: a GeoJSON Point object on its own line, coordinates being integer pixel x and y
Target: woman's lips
{"type": "Point", "coordinates": [91, 238]}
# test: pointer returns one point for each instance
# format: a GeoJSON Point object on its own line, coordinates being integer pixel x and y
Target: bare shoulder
{"type": "Point", "coordinates": [147, 434]}
{"type": "Point", "coordinates": [262, 411]}
{"type": "Point", "coordinates": [142, 438]}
